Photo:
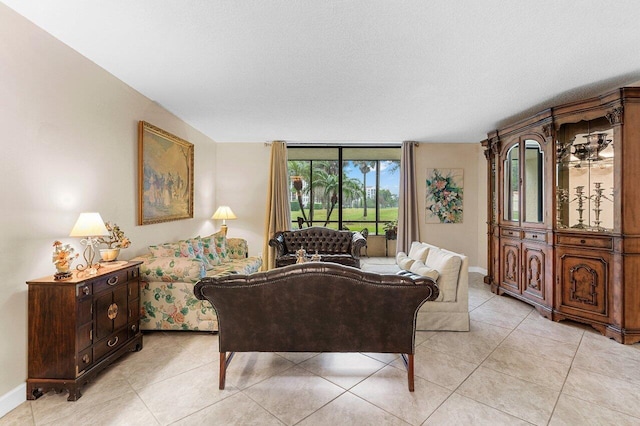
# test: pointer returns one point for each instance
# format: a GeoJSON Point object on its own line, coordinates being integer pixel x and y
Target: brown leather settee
{"type": "Point", "coordinates": [316, 307]}
{"type": "Point", "coordinates": [332, 245]}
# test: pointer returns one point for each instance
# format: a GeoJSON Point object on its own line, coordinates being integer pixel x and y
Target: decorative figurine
{"type": "Point", "coordinates": [301, 255]}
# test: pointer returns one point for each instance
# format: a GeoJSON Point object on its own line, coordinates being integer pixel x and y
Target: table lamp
{"type": "Point", "coordinates": [89, 226]}
{"type": "Point", "coordinates": [224, 213]}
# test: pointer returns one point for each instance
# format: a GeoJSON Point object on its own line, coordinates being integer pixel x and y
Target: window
{"type": "Point", "coordinates": [344, 187]}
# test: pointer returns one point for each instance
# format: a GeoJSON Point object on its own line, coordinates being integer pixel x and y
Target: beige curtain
{"type": "Point", "coordinates": [408, 222]}
{"type": "Point", "coordinates": [278, 210]}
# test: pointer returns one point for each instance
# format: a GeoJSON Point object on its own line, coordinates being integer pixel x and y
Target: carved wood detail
{"type": "Point", "coordinates": [547, 130]}
{"type": "Point", "coordinates": [534, 273]}
{"type": "Point", "coordinates": [511, 267]}
{"type": "Point", "coordinates": [615, 115]}
{"type": "Point", "coordinates": [584, 282]}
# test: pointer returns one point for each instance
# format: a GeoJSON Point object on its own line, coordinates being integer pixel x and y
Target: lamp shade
{"type": "Point", "coordinates": [89, 225]}
{"type": "Point", "coordinates": [224, 213]}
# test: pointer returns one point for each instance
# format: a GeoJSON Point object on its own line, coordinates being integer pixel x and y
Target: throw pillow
{"type": "Point", "coordinates": [448, 265]}
{"type": "Point", "coordinates": [198, 249]}
{"type": "Point", "coordinates": [220, 240]}
{"type": "Point", "coordinates": [403, 261]}
{"type": "Point", "coordinates": [420, 268]}
{"type": "Point", "coordinates": [419, 251]}
{"type": "Point", "coordinates": [210, 251]}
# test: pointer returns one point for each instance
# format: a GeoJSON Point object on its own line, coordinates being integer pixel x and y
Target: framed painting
{"type": "Point", "coordinates": [165, 176]}
{"type": "Point", "coordinates": [444, 195]}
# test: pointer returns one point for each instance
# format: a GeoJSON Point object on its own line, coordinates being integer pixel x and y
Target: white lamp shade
{"type": "Point", "coordinates": [224, 213]}
{"type": "Point", "coordinates": [89, 225]}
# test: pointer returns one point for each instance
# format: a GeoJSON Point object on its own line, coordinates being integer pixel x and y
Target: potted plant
{"type": "Point", "coordinates": [391, 230]}
{"type": "Point", "coordinates": [115, 241]}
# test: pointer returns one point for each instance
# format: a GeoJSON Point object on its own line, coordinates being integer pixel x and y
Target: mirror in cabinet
{"type": "Point", "coordinates": [585, 176]}
{"type": "Point", "coordinates": [533, 182]}
{"type": "Point", "coordinates": [524, 182]}
{"type": "Point", "coordinates": [512, 184]}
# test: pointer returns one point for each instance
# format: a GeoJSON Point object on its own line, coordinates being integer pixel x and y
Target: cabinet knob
{"type": "Point", "coordinates": [85, 289]}
{"type": "Point", "coordinates": [583, 241]}
{"type": "Point", "coordinates": [534, 236]}
{"type": "Point", "coordinates": [134, 327]}
{"type": "Point", "coordinates": [85, 358]}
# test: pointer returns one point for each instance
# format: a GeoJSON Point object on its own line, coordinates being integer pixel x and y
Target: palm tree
{"type": "Point", "coordinates": [365, 167]}
{"type": "Point", "coordinates": [326, 180]}
{"type": "Point", "coordinates": [299, 171]}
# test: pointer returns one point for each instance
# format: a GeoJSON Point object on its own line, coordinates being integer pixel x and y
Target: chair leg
{"type": "Point", "coordinates": [223, 369]}
{"type": "Point", "coordinates": [410, 372]}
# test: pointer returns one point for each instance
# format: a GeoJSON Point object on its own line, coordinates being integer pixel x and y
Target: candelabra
{"type": "Point", "coordinates": [562, 195]}
{"type": "Point", "coordinates": [597, 200]}
{"type": "Point", "coordinates": [580, 198]}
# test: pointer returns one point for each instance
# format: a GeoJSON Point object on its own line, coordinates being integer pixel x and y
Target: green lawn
{"type": "Point", "coordinates": [351, 217]}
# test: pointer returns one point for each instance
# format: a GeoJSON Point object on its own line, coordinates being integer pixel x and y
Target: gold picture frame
{"type": "Point", "coordinates": [165, 176]}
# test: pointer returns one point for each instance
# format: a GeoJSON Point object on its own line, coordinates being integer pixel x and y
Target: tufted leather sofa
{"type": "Point", "coordinates": [316, 307]}
{"type": "Point", "coordinates": [332, 245]}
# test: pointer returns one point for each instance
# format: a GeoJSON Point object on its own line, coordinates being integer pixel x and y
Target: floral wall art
{"type": "Point", "coordinates": [444, 195]}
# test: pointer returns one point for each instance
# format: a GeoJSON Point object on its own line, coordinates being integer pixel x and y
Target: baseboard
{"type": "Point", "coordinates": [12, 399]}
{"type": "Point", "coordinates": [478, 269]}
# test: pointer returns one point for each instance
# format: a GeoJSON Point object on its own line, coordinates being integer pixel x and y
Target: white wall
{"type": "Point", "coordinates": [69, 144]}
{"type": "Point", "coordinates": [470, 236]}
{"type": "Point", "coordinates": [242, 172]}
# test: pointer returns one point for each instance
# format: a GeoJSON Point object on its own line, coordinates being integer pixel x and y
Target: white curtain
{"type": "Point", "coordinates": [278, 210]}
{"type": "Point", "coordinates": [408, 222]}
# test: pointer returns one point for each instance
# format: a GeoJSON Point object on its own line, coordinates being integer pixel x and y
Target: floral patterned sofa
{"type": "Point", "coordinates": [169, 272]}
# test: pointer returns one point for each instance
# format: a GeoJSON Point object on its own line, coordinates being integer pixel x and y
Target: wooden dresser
{"type": "Point", "coordinates": [80, 326]}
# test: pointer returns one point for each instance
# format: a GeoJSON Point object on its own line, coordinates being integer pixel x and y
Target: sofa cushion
{"type": "Point", "coordinates": [172, 269]}
{"type": "Point", "coordinates": [404, 261]}
{"type": "Point", "coordinates": [179, 249]}
{"type": "Point", "coordinates": [419, 251]}
{"type": "Point", "coordinates": [448, 265]}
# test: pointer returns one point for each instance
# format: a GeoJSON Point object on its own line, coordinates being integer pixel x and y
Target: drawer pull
{"type": "Point", "coordinates": [534, 236]}
{"type": "Point", "coordinates": [115, 342]}
{"type": "Point", "coordinates": [134, 327]}
{"type": "Point", "coordinates": [510, 232]}
{"type": "Point", "coordinates": [583, 241]}
{"type": "Point", "coordinates": [85, 289]}
{"type": "Point", "coordinates": [112, 312]}
{"type": "Point", "coordinates": [113, 280]}
{"type": "Point", "coordinates": [85, 358]}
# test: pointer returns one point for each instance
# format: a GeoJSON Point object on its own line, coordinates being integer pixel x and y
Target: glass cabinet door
{"type": "Point", "coordinates": [584, 174]}
{"type": "Point", "coordinates": [533, 182]}
{"type": "Point", "coordinates": [512, 184]}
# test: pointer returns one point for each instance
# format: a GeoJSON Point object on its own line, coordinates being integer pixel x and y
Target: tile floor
{"type": "Point", "coordinates": [513, 368]}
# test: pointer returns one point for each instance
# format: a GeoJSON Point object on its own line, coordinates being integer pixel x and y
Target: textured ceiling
{"type": "Point", "coordinates": [362, 70]}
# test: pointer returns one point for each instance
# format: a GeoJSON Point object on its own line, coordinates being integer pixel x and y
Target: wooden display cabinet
{"type": "Point", "coordinates": [579, 259]}
{"type": "Point", "coordinates": [80, 326]}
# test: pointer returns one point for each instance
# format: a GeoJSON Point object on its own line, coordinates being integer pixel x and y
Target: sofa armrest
{"type": "Point", "coordinates": [357, 242]}
{"type": "Point", "coordinates": [277, 242]}
{"type": "Point", "coordinates": [237, 248]}
{"type": "Point", "coordinates": [172, 269]}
